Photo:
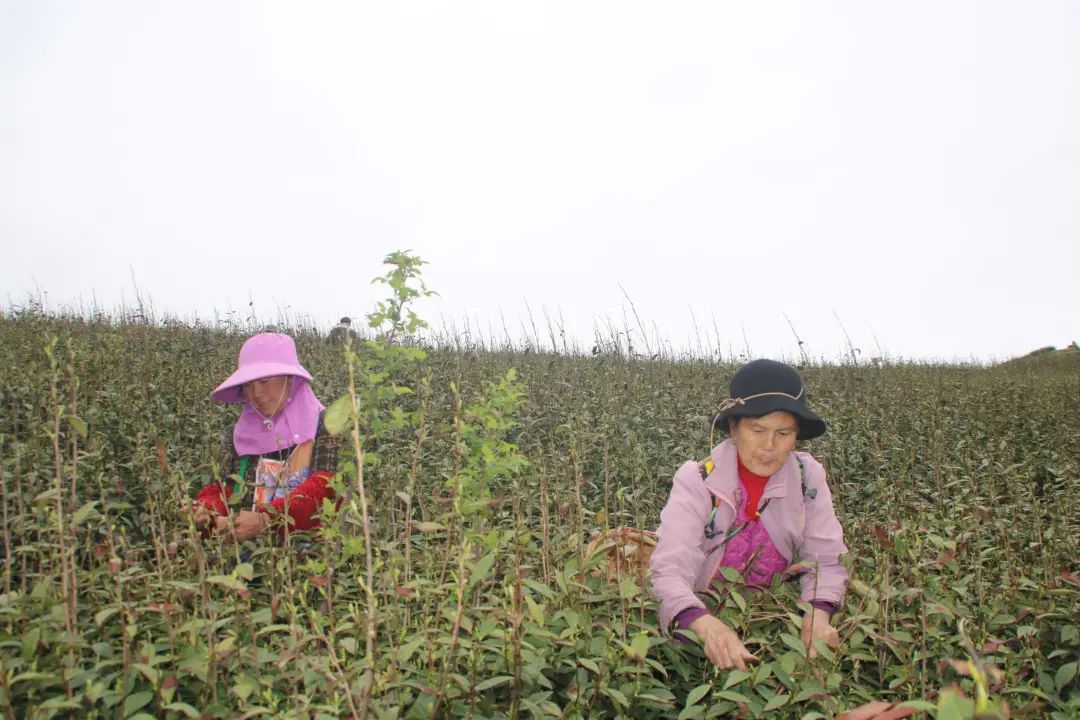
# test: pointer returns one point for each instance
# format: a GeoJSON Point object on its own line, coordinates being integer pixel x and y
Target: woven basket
{"type": "Point", "coordinates": [626, 552]}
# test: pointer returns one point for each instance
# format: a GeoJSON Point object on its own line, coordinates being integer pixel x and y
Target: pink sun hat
{"type": "Point", "coordinates": [262, 355]}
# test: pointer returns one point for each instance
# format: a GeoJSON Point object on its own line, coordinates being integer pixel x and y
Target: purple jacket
{"type": "Point", "coordinates": [803, 529]}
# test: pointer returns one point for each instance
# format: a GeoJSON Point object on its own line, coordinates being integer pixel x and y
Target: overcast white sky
{"type": "Point", "coordinates": [912, 168]}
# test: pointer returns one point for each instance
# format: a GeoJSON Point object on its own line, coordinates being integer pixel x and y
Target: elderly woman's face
{"type": "Point", "coordinates": [267, 395]}
{"type": "Point", "coordinates": [764, 443]}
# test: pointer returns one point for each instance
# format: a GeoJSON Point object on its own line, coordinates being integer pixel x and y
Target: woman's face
{"type": "Point", "coordinates": [267, 395]}
{"type": "Point", "coordinates": [764, 443]}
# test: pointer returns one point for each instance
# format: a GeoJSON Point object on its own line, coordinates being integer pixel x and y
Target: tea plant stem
{"type": "Point", "coordinates": [576, 480]}
{"type": "Point", "coordinates": [9, 711]}
{"type": "Point", "coordinates": [516, 615]}
{"type": "Point", "coordinates": [545, 528]}
{"type": "Point", "coordinates": [339, 678]}
{"type": "Point", "coordinates": [19, 504]}
{"type": "Point", "coordinates": [61, 527]}
{"type": "Point", "coordinates": [464, 552]}
{"type": "Point", "coordinates": [74, 504]}
{"type": "Point", "coordinates": [410, 492]}
{"type": "Point", "coordinates": [369, 577]}
{"type": "Point", "coordinates": [8, 559]}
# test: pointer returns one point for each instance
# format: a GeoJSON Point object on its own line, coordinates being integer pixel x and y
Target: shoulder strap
{"type": "Point", "coordinates": [706, 467]}
{"type": "Point", "coordinates": [806, 492]}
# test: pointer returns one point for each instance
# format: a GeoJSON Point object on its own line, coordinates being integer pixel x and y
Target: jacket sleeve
{"type": "Point", "coordinates": [823, 540]}
{"type": "Point", "coordinates": [215, 496]}
{"type": "Point", "coordinates": [301, 505]}
{"type": "Point", "coordinates": [679, 552]}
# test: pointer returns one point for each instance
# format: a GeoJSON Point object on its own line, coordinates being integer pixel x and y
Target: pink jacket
{"type": "Point", "coordinates": [803, 529]}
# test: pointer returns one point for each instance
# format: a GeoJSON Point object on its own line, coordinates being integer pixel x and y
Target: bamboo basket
{"type": "Point", "coordinates": [626, 552]}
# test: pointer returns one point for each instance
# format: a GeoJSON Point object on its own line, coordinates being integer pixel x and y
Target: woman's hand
{"type": "Point", "coordinates": [815, 626]}
{"type": "Point", "coordinates": [245, 525]}
{"type": "Point", "coordinates": [722, 644]}
{"type": "Point", "coordinates": [201, 515]}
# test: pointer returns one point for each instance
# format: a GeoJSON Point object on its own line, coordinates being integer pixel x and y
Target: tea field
{"type": "Point", "coordinates": [452, 580]}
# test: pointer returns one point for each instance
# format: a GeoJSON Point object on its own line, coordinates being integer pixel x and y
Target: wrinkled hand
{"type": "Point", "coordinates": [202, 515]}
{"type": "Point", "coordinates": [815, 626]}
{"type": "Point", "coordinates": [722, 644]}
{"type": "Point", "coordinates": [245, 525]}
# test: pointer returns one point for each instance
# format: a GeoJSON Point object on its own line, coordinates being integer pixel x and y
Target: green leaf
{"type": "Point", "coordinates": [763, 673]}
{"type": "Point", "coordinates": [338, 416]}
{"type": "Point", "coordinates": [953, 706]}
{"type": "Point", "coordinates": [405, 651]}
{"type": "Point", "coordinates": [30, 643]}
{"type": "Point", "coordinates": [777, 701]}
{"type": "Point", "coordinates": [695, 695]}
{"type": "Point", "coordinates": [136, 701]}
{"type": "Point", "coordinates": [494, 682]}
{"type": "Point", "coordinates": [244, 687]}
{"type": "Point", "coordinates": [84, 512]}
{"type": "Point", "coordinates": [732, 696]}
{"type": "Point", "coordinates": [226, 581]}
{"type": "Point", "coordinates": [589, 665]}
{"type": "Point", "coordinates": [539, 588]}
{"type": "Point", "coordinates": [627, 589]}
{"type": "Point", "coordinates": [738, 598]}
{"type": "Point", "coordinates": [810, 689]}
{"type": "Point", "coordinates": [922, 705]}
{"type": "Point", "coordinates": [32, 676]}
{"type": "Point", "coordinates": [617, 696]}
{"type": "Point", "coordinates": [148, 672]}
{"type": "Point", "coordinates": [481, 569]}
{"type": "Point", "coordinates": [731, 575]}
{"type": "Point", "coordinates": [794, 643]}
{"type": "Point", "coordinates": [536, 610]}
{"type": "Point", "coordinates": [78, 425]}
{"type": "Point", "coordinates": [102, 615]}
{"type": "Point", "coordinates": [427, 527]}
{"type": "Point", "coordinates": [182, 707]}
{"type": "Point", "coordinates": [1064, 675]}
{"type": "Point", "coordinates": [640, 644]}
{"type": "Point", "coordinates": [691, 713]}
{"type": "Point", "coordinates": [735, 677]}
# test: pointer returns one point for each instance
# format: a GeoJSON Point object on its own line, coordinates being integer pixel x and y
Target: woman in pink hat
{"type": "Point", "coordinates": [280, 449]}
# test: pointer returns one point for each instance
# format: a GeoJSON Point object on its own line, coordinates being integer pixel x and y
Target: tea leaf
{"type": "Point", "coordinates": [494, 682]}
{"type": "Point", "coordinates": [734, 677]}
{"type": "Point", "coordinates": [427, 527]}
{"type": "Point", "coordinates": [338, 417]}
{"type": "Point", "coordinates": [697, 694]}
{"type": "Point", "coordinates": [136, 701]}
{"type": "Point", "coordinates": [1065, 675]}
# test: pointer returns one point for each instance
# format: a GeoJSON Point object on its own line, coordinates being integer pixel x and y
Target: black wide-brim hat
{"type": "Point", "coordinates": [761, 387]}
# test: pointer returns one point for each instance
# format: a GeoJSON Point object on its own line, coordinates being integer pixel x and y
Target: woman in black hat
{"type": "Point", "coordinates": [755, 505]}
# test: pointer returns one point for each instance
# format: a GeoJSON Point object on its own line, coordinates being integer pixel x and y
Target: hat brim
{"type": "Point", "coordinates": [230, 390]}
{"type": "Point", "coordinates": [810, 425]}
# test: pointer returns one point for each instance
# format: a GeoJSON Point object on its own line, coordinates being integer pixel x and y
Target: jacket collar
{"type": "Point", "coordinates": [724, 479]}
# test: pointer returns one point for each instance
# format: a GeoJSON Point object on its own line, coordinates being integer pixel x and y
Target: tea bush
{"type": "Point", "coordinates": [451, 580]}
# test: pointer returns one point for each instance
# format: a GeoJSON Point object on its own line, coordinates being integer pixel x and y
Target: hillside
{"type": "Point", "coordinates": [957, 488]}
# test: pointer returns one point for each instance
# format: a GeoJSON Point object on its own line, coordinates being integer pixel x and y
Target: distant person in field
{"type": "Point", "coordinates": [756, 505]}
{"type": "Point", "coordinates": [279, 447]}
{"type": "Point", "coordinates": [342, 330]}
